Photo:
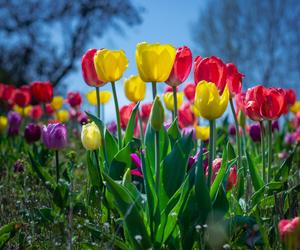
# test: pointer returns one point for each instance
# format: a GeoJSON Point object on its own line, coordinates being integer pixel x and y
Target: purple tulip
{"type": "Point", "coordinates": [32, 133]}
{"type": "Point", "coordinates": [231, 130]}
{"type": "Point", "coordinates": [112, 127]}
{"type": "Point", "coordinates": [14, 123]}
{"type": "Point", "coordinates": [18, 166]}
{"type": "Point", "coordinates": [289, 138]}
{"type": "Point", "coordinates": [138, 164]}
{"type": "Point", "coordinates": [189, 130]}
{"type": "Point", "coordinates": [275, 125]}
{"type": "Point", "coordinates": [254, 132]}
{"type": "Point", "coordinates": [55, 136]}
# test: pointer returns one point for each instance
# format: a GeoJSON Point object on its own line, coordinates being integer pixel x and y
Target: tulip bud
{"type": "Point", "coordinates": [55, 136]}
{"type": "Point", "coordinates": [202, 133]}
{"type": "Point", "coordinates": [32, 133]}
{"type": "Point", "coordinates": [90, 136]}
{"type": "Point", "coordinates": [157, 115]}
{"type": "Point", "coordinates": [14, 123]}
{"type": "Point", "coordinates": [74, 99]}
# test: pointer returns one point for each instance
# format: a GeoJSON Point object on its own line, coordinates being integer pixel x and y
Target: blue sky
{"type": "Point", "coordinates": [163, 22]}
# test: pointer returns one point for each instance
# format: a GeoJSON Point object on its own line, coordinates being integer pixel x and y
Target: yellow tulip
{"type": "Point", "coordinates": [202, 132]}
{"type": "Point", "coordinates": [208, 101]}
{"type": "Point", "coordinates": [3, 123]}
{"type": "Point", "coordinates": [295, 108]}
{"type": "Point", "coordinates": [154, 61]}
{"type": "Point", "coordinates": [22, 111]}
{"type": "Point", "coordinates": [57, 102]}
{"type": "Point", "coordinates": [62, 115]}
{"type": "Point", "coordinates": [195, 111]}
{"type": "Point", "coordinates": [92, 97]}
{"type": "Point", "coordinates": [135, 89]}
{"type": "Point", "coordinates": [110, 64]}
{"type": "Point", "coordinates": [169, 100]}
{"type": "Point", "coordinates": [90, 136]}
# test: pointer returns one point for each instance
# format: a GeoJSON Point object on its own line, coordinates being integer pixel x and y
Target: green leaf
{"type": "Point", "coordinates": [257, 182]}
{"type": "Point", "coordinates": [174, 132]}
{"type": "Point", "coordinates": [111, 145]}
{"type": "Point", "coordinates": [61, 195]}
{"type": "Point", "coordinates": [94, 171]}
{"type": "Point", "coordinates": [133, 217]}
{"type": "Point", "coordinates": [221, 204]}
{"type": "Point", "coordinates": [7, 232]}
{"type": "Point", "coordinates": [130, 126]}
{"type": "Point", "coordinates": [120, 163]}
{"type": "Point", "coordinates": [173, 169]}
{"type": "Point", "coordinates": [97, 121]}
{"type": "Point", "coordinates": [43, 174]}
{"type": "Point", "coordinates": [283, 172]}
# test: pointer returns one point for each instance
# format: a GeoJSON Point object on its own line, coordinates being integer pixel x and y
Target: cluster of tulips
{"type": "Point", "coordinates": [153, 146]}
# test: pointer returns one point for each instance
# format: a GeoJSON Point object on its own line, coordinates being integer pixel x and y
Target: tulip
{"type": "Point", "coordinates": [208, 101]}
{"type": "Point", "coordinates": [125, 113]}
{"type": "Point", "coordinates": [82, 118]}
{"type": "Point", "coordinates": [290, 95]}
{"type": "Point", "coordinates": [48, 109]}
{"type": "Point", "coordinates": [22, 96]}
{"type": "Point", "coordinates": [55, 137]}
{"type": "Point", "coordinates": [232, 178]}
{"type": "Point", "coordinates": [169, 89]}
{"type": "Point", "coordinates": [57, 103]}
{"type": "Point", "coordinates": [210, 69]}
{"type": "Point", "coordinates": [62, 115]}
{"type": "Point", "coordinates": [255, 132]}
{"type": "Point", "coordinates": [145, 111]}
{"type": "Point", "coordinates": [88, 69]}
{"type": "Point", "coordinates": [32, 133]}
{"type": "Point", "coordinates": [289, 231]}
{"type": "Point", "coordinates": [110, 65]}
{"type": "Point", "coordinates": [157, 115]}
{"type": "Point", "coordinates": [3, 123]}
{"type": "Point", "coordinates": [112, 127]}
{"type": "Point", "coordinates": [231, 130]}
{"type": "Point", "coordinates": [185, 116]}
{"type": "Point", "coordinates": [19, 166]}
{"type": "Point", "coordinates": [42, 91]}
{"type": "Point", "coordinates": [6, 92]}
{"type": "Point", "coordinates": [74, 99]}
{"type": "Point", "coordinates": [289, 138]}
{"type": "Point", "coordinates": [14, 123]}
{"type": "Point", "coordinates": [138, 164]}
{"type": "Point", "coordinates": [92, 97]}
{"type": "Point", "coordinates": [135, 89]}
{"type": "Point", "coordinates": [90, 136]}
{"type": "Point", "coordinates": [181, 67]}
{"type": "Point", "coordinates": [189, 91]}
{"type": "Point", "coordinates": [154, 62]}
{"type": "Point", "coordinates": [22, 111]}
{"type": "Point", "coordinates": [234, 79]}
{"type": "Point", "coordinates": [36, 112]}
{"type": "Point", "coordinates": [169, 100]}
{"type": "Point", "coordinates": [202, 133]}
{"type": "Point", "coordinates": [295, 108]}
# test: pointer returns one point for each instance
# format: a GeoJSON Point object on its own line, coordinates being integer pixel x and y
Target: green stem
{"type": "Point", "coordinates": [117, 114]}
{"type": "Point", "coordinates": [211, 151]}
{"type": "Point", "coordinates": [97, 164]}
{"type": "Point", "coordinates": [262, 142]}
{"type": "Point", "coordinates": [141, 126]}
{"type": "Point", "coordinates": [157, 162]}
{"type": "Point", "coordinates": [270, 150]}
{"type": "Point", "coordinates": [154, 91]}
{"type": "Point", "coordinates": [57, 165]}
{"type": "Point", "coordinates": [98, 102]}
{"type": "Point", "coordinates": [175, 102]}
{"type": "Point", "coordinates": [238, 138]}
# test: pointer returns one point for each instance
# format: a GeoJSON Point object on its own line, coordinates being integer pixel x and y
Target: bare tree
{"type": "Point", "coordinates": [261, 37]}
{"type": "Point", "coordinates": [41, 39]}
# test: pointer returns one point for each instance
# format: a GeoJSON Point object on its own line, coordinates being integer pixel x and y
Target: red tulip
{"type": "Point", "coordinates": [240, 102]}
{"type": "Point", "coordinates": [289, 231]}
{"type": "Point", "coordinates": [232, 177]}
{"type": "Point", "coordinates": [272, 104]}
{"type": "Point", "coordinates": [189, 91]}
{"type": "Point", "coordinates": [36, 112]}
{"type": "Point", "coordinates": [125, 113]}
{"type": "Point", "coordinates": [6, 92]}
{"type": "Point", "coordinates": [234, 79]}
{"type": "Point", "coordinates": [169, 88]}
{"type": "Point", "coordinates": [22, 96]}
{"type": "Point", "coordinates": [145, 111]}
{"type": "Point", "coordinates": [48, 109]}
{"type": "Point", "coordinates": [42, 91]}
{"type": "Point", "coordinates": [290, 97]}
{"type": "Point", "coordinates": [88, 69]}
{"type": "Point", "coordinates": [252, 103]}
{"type": "Point", "coordinates": [185, 116]}
{"type": "Point", "coordinates": [211, 69]}
{"type": "Point", "coordinates": [74, 99]}
{"type": "Point", "coordinates": [182, 66]}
